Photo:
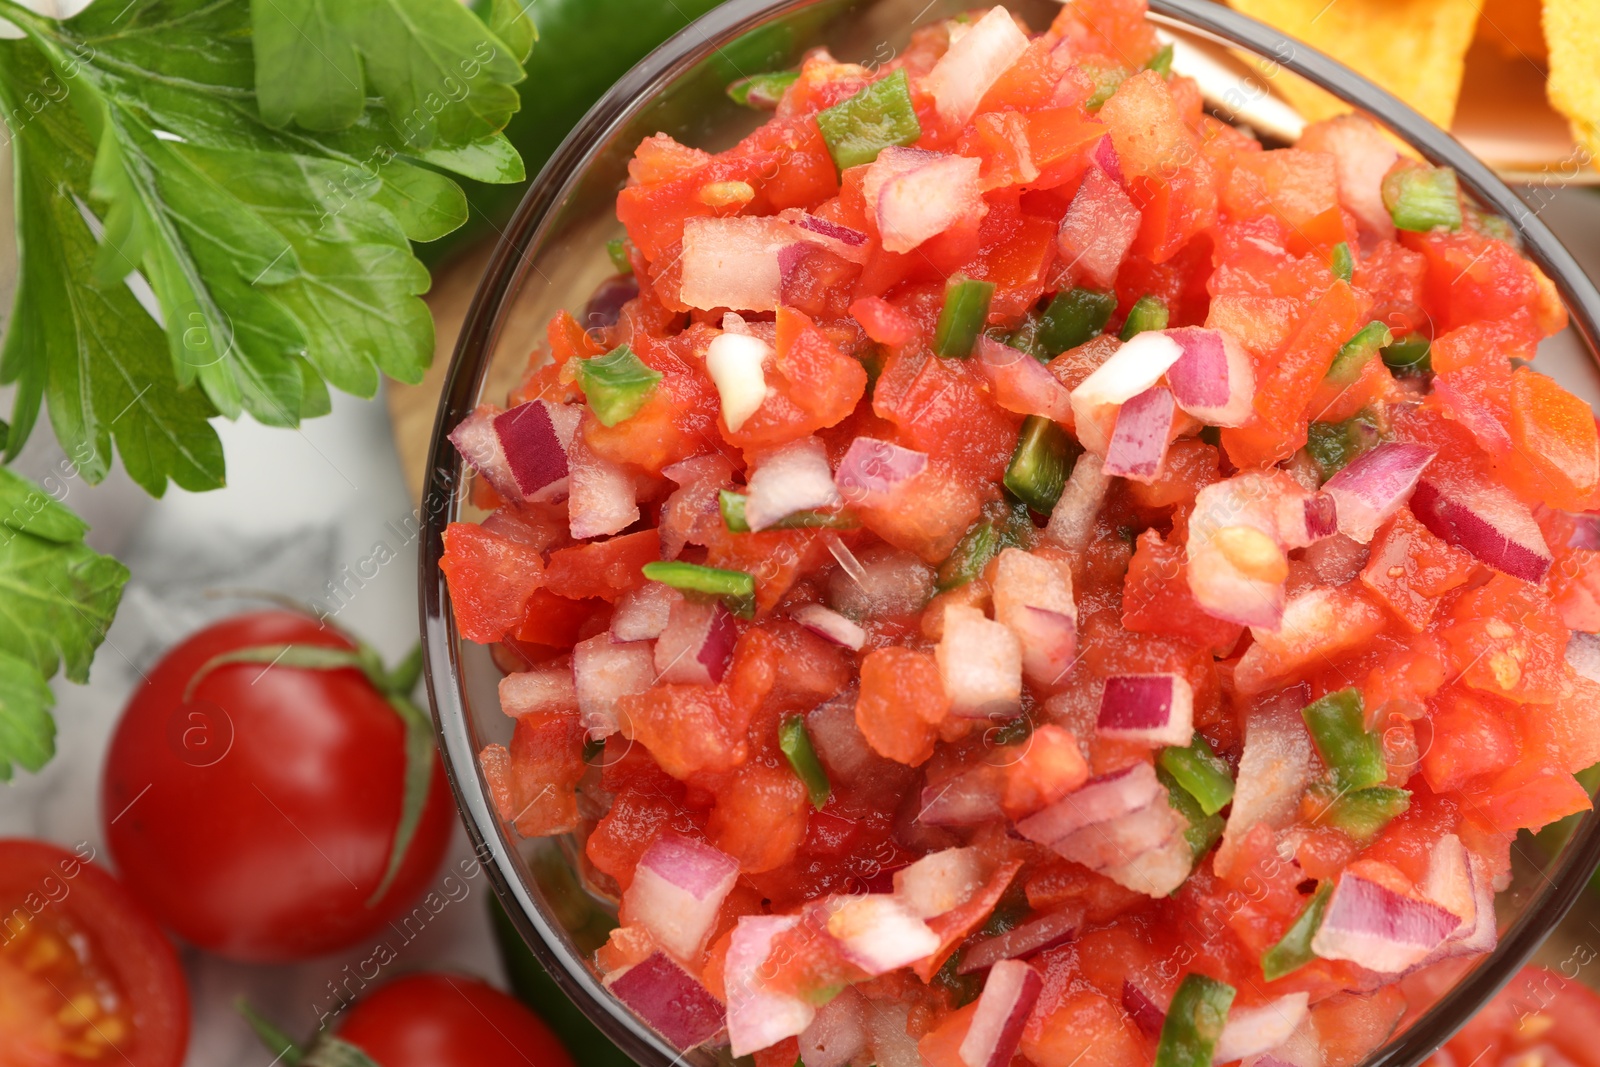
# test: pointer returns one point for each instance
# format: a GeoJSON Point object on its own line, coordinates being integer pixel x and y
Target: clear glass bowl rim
{"type": "Point", "coordinates": [475, 347]}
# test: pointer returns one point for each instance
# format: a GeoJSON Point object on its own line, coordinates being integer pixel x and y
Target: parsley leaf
{"type": "Point", "coordinates": [277, 255]}
{"type": "Point", "coordinates": [430, 60]}
{"type": "Point", "coordinates": [57, 597]}
{"type": "Point", "coordinates": [94, 354]}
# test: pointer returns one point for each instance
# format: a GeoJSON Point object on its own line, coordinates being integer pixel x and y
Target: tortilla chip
{"type": "Point", "coordinates": [1573, 29]}
{"type": "Point", "coordinates": [1416, 49]}
{"type": "Point", "coordinates": [1513, 27]}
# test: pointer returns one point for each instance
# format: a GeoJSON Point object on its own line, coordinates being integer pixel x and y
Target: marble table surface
{"type": "Point", "coordinates": [307, 513]}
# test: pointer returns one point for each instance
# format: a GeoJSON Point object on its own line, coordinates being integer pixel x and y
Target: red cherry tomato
{"type": "Point", "coordinates": [86, 975]}
{"type": "Point", "coordinates": [255, 815]}
{"type": "Point", "coordinates": [446, 1020]}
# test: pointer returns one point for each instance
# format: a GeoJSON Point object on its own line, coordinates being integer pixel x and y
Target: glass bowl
{"type": "Point", "coordinates": [552, 256]}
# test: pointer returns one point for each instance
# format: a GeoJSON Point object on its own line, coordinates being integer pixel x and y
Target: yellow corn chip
{"type": "Point", "coordinates": [1416, 49]}
{"type": "Point", "coordinates": [1512, 26]}
{"type": "Point", "coordinates": [1573, 29]}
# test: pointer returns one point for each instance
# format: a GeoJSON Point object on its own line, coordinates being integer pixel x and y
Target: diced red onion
{"type": "Point", "coordinates": [969, 799]}
{"type": "Point", "coordinates": [872, 470]}
{"type": "Point", "coordinates": [641, 614]}
{"type": "Point", "coordinates": [519, 452]}
{"type": "Point", "coordinates": [922, 203]}
{"type": "Point", "coordinates": [1045, 932]}
{"type": "Point", "coordinates": [1132, 369]}
{"type": "Point", "coordinates": [1146, 1014]}
{"type": "Point", "coordinates": [879, 934]}
{"type": "Point", "coordinates": [1033, 597]}
{"type": "Point", "coordinates": [1375, 485]}
{"type": "Point", "coordinates": [892, 1046]}
{"type": "Point", "coordinates": [974, 63]}
{"type": "Point", "coordinates": [831, 626]}
{"type": "Point", "coordinates": [1251, 501]}
{"type": "Point", "coordinates": [885, 582]}
{"type": "Point", "coordinates": [1153, 709]}
{"type": "Point", "coordinates": [677, 889]}
{"type": "Point", "coordinates": [605, 305]}
{"type": "Point", "coordinates": [1382, 930]}
{"type": "Point", "coordinates": [1003, 1008]}
{"type": "Point", "coordinates": [1098, 230]}
{"type": "Point", "coordinates": [670, 1000]}
{"type": "Point", "coordinates": [1105, 157]}
{"type": "Point", "coordinates": [736, 363]}
{"type": "Point", "coordinates": [1448, 882]}
{"type": "Point", "coordinates": [1112, 843]}
{"type": "Point", "coordinates": [1108, 797]}
{"type": "Point", "coordinates": [1158, 871]}
{"type": "Point", "coordinates": [1072, 521]}
{"type": "Point", "coordinates": [1254, 1030]}
{"type": "Point", "coordinates": [838, 1034]}
{"type": "Point", "coordinates": [1213, 380]}
{"type": "Point", "coordinates": [1474, 412]}
{"type": "Point", "coordinates": [757, 1017]}
{"type": "Point", "coordinates": [1274, 770]}
{"type": "Point", "coordinates": [841, 240]}
{"type": "Point", "coordinates": [1139, 439]}
{"type": "Point", "coordinates": [980, 663]}
{"type": "Point", "coordinates": [1487, 521]}
{"type": "Point", "coordinates": [733, 262]}
{"type": "Point", "coordinates": [794, 478]}
{"type": "Point", "coordinates": [1362, 155]}
{"type": "Point", "coordinates": [692, 515]}
{"type": "Point", "coordinates": [1485, 932]}
{"type": "Point", "coordinates": [697, 644]}
{"type": "Point", "coordinates": [939, 881]}
{"type": "Point", "coordinates": [891, 163]}
{"type": "Point", "coordinates": [1585, 532]}
{"type": "Point", "coordinates": [603, 498]}
{"type": "Point", "coordinates": [1021, 383]}
{"type": "Point", "coordinates": [545, 689]}
{"type": "Point", "coordinates": [604, 671]}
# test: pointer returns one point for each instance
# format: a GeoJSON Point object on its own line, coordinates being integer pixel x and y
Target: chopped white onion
{"type": "Point", "coordinates": [1033, 598]}
{"type": "Point", "coordinates": [1021, 383]}
{"type": "Point", "coordinates": [736, 363]}
{"type": "Point", "coordinates": [969, 799]}
{"type": "Point", "coordinates": [794, 478]}
{"type": "Point", "coordinates": [604, 671]}
{"type": "Point", "coordinates": [831, 626]}
{"type": "Point", "coordinates": [641, 614]}
{"type": "Point", "coordinates": [733, 262]}
{"type": "Point", "coordinates": [1254, 1030]}
{"type": "Point", "coordinates": [1072, 521]}
{"type": "Point", "coordinates": [1274, 770]}
{"type": "Point", "coordinates": [697, 644]}
{"type": "Point", "coordinates": [544, 689]}
{"type": "Point", "coordinates": [879, 934]}
{"type": "Point", "coordinates": [980, 663]}
{"type": "Point", "coordinates": [923, 202]}
{"type": "Point", "coordinates": [603, 497]}
{"type": "Point", "coordinates": [838, 1034]}
{"type": "Point", "coordinates": [939, 881]}
{"type": "Point", "coordinates": [1236, 565]}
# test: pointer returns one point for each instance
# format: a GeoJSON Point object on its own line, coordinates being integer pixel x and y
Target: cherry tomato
{"type": "Point", "coordinates": [255, 816]}
{"type": "Point", "coordinates": [86, 975]}
{"type": "Point", "coordinates": [446, 1020]}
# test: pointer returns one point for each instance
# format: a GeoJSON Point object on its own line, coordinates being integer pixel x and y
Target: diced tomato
{"type": "Point", "coordinates": [1410, 569]}
{"type": "Point", "coordinates": [1050, 766]}
{"type": "Point", "coordinates": [1473, 278]}
{"type": "Point", "coordinates": [1555, 455]}
{"type": "Point", "coordinates": [1506, 638]}
{"type": "Point", "coordinates": [555, 621]}
{"type": "Point", "coordinates": [884, 323]}
{"type": "Point", "coordinates": [1108, 28]}
{"type": "Point", "coordinates": [1300, 188]}
{"type": "Point", "coordinates": [941, 1046]}
{"type": "Point", "coordinates": [603, 569]}
{"type": "Point", "coordinates": [491, 579]}
{"type": "Point", "coordinates": [1060, 140]}
{"type": "Point", "coordinates": [760, 816]}
{"type": "Point", "coordinates": [535, 786]}
{"type": "Point", "coordinates": [901, 703]}
{"type": "Point", "coordinates": [1469, 739]}
{"type": "Point", "coordinates": [1081, 1029]}
{"type": "Point", "coordinates": [776, 558]}
{"type": "Point", "coordinates": [1394, 275]}
{"type": "Point", "coordinates": [1473, 376]}
{"type": "Point", "coordinates": [636, 818]}
{"type": "Point", "coordinates": [1352, 1025]}
{"type": "Point", "coordinates": [1574, 588]}
{"type": "Point", "coordinates": [1528, 796]}
{"type": "Point", "coordinates": [1156, 598]}
{"type": "Point", "coordinates": [1168, 177]}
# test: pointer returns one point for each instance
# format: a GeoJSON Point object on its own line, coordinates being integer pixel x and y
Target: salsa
{"type": "Point", "coordinates": [1013, 568]}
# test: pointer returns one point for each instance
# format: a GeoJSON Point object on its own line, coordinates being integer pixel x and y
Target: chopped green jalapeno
{"type": "Point", "coordinates": [1107, 80]}
{"type": "Point", "coordinates": [1355, 353]}
{"type": "Point", "coordinates": [1344, 265]}
{"type": "Point", "coordinates": [616, 384]}
{"type": "Point", "coordinates": [1161, 62]}
{"type": "Point", "coordinates": [1332, 445]}
{"type": "Point", "coordinates": [796, 745]}
{"type": "Point", "coordinates": [1072, 318]}
{"type": "Point", "coordinates": [971, 554]}
{"type": "Point", "coordinates": [1041, 463]}
{"type": "Point", "coordinates": [1365, 812]}
{"type": "Point", "coordinates": [732, 506]}
{"type": "Point", "coordinates": [1409, 355]}
{"type": "Point", "coordinates": [1014, 732]}
{"type": "Point", "coordinates": [1211, 435]}
{"type": "Point", "coordinates": [1422, 198]}
{"type": "Point", "coordinates": [966, 306]}
{"type": "Point", "coordinates": [1204, 830]}
{"type": "Point", "coordinates": [762, 91]}
{"type": "Point", "coordinates": [1293, 950]}
{"type": "Point", "coordinates": [880, 115]}
{"type": "Point", "coordinates": [1353, 756]}
{"type": "Point", "coordinates": [1147, 313]}
{"type": "Point", "coordinates": [1194, 1022]}
{"type": "Point", "coordinates": [618, 251]}
{"type": "Point", "coordinates": [736, 588]}
{"type": "Point", "coordinates": [1201, 772]}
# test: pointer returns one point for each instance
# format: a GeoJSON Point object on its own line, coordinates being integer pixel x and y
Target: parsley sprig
{"type": "Point", "coordinates": [216, 201]}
